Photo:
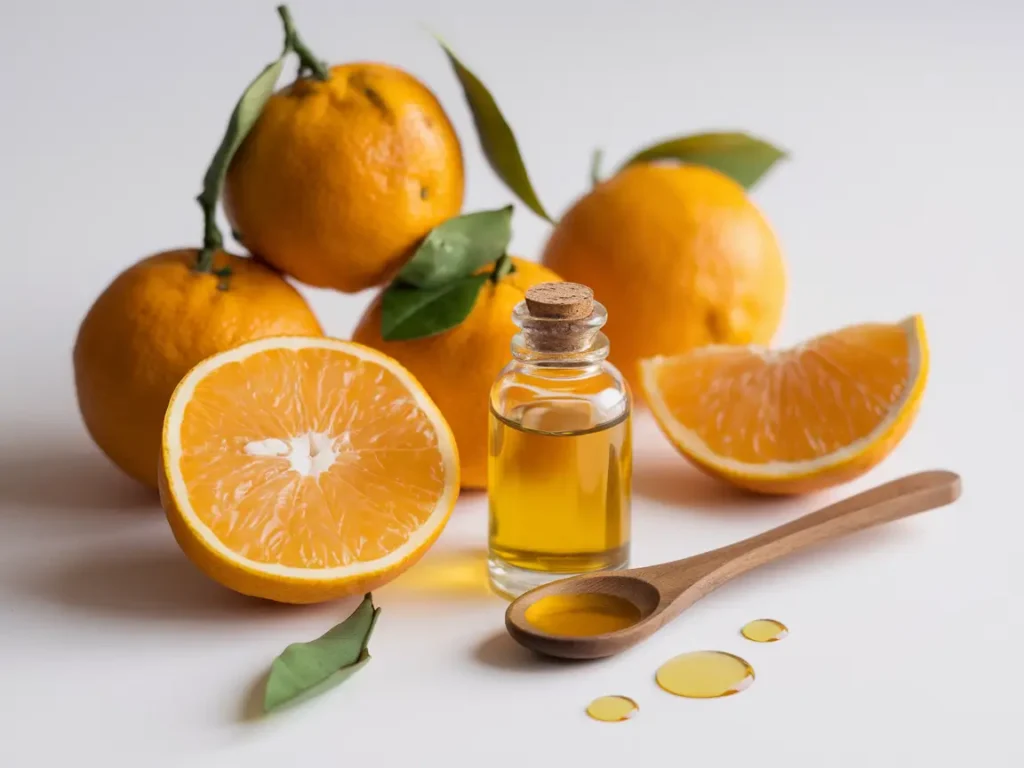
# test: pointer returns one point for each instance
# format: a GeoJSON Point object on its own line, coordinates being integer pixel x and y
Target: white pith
{"type": "Point", "coordinates": [309, 454]}
{"type": "Point", "coordinates": [776, 469]}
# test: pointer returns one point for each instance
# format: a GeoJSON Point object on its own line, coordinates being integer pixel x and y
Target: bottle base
{"type": "Point", "coordinates": [510, 581]}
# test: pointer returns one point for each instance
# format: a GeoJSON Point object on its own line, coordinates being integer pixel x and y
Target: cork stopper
{"type": "Point", "coordinates": [559, 317]}
{"type": "Point", "coordinates": [560, 301]}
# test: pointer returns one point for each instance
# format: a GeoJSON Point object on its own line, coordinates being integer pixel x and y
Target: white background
{"type": "Point", "coordinates": [903, 194]}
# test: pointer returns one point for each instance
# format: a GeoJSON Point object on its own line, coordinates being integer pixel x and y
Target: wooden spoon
{"type": "Point", "coordinates": [662, 592]}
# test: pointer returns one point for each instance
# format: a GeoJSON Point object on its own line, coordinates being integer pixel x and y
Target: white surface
{"type": "Point", "coordinates": [904, 194]}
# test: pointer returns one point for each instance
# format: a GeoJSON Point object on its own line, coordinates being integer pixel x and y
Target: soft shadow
{"type": "Point", "coordinates": [455, 574]}
{"type": "Point", "coordinates": [252, 699]}
{"type": "Point", "coordinates": [148, 582]}
{"type": "Point", "coordinates": [500, 651]}
{"type": "Point", "coordinates": [676, 483]}
{"type": "Point", "coordinates": [62, 472]}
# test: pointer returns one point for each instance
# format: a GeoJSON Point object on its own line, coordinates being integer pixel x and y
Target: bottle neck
{"type": "Point", "coordinates": [560, 343]}
{"type": "Point", "coordinates": [594, 353]}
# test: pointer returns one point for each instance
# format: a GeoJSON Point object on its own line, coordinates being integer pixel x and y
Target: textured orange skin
{"type": "Point", "coordinates": [680, 257]}
{"type": "Point", "coordinates": [339, 179]}
{"type": "Point", "coordinates": [458, 367]}
{"type": "Point", "coordinates": [153, 323]}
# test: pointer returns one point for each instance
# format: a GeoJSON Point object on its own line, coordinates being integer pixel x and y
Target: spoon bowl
{"type": "Point", "coordinates": [640, 594]}
{"type": "Point", "coordinates": [656, 594]}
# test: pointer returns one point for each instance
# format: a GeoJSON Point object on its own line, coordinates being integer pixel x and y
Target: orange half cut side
{"type": "Point", "coordinates": [795, 420]}
{"type": "Point", "coordinates": [305, 469]}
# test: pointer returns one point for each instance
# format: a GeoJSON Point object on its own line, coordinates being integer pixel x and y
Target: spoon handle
{"type": "Point", "coordinates": [885, 503]}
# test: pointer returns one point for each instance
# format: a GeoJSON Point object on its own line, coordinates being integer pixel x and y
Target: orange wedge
{"type": "Point", "coordinates": [305, 469]}
{"type": "Point", "coordinates": [796, 420]}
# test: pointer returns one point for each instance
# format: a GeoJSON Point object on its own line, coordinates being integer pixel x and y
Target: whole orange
{"type": "Point", "coordinates": [151, 325]}
{"type": "Point", "coordinates": [338, 180]}
{"type": "Point", "coordinates": [458, 367]}
{"type": "Point", "coordinates": [681, 258]}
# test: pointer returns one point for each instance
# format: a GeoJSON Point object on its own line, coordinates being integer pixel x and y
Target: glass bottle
{"type": "Point", "coordinates": [560, 453]}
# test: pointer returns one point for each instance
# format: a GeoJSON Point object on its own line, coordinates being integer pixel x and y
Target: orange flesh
{"type": "Point", "coordinates": [790, 406]}
{"type": "Point", "coordinates": [382, 486]}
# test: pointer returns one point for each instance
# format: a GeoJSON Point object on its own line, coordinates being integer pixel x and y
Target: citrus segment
{"type": "Point", "coordinates": [305, 469]}
{"type": "Point", "coordinates": [793, 420]}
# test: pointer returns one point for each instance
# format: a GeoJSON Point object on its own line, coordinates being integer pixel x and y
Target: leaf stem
{"type": "Point", "coordinates": [502, 267]}
{"type": "Point", "coordinates": [595, 167]}
{"type": "Point", "coordinates": [213, 241]}
{"type": "Point", "coordinates": [307, 61]}
{"type": "Point", "coordinates": [247, 110]}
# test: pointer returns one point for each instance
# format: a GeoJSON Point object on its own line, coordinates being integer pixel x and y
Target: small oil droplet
{"type": "Point", "coordinates": [764, 630]}
{"type": "Point", "coordinates": [582, 615]}
{"type": "Point", "coordinates": [612, 709]}
{"type": "Point", "coordinates": [705, 675]}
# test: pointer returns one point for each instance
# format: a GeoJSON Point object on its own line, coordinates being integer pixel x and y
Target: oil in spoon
{"type": "Point", "coordinates": [612, 709]}
{"type": "Point", "coordinates": [583, 614]}
{"type": "Point", "coordinates": [705, 675]}
{"type": "Point", "coordinates": [764, 630]}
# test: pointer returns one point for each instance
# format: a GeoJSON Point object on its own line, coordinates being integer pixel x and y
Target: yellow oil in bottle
{"type": "Point", "coordinates": [612, 709]}
{"type": "Point", "coordinates": [560, 447]}
{"type": "Point", "coordinates": [559, 487]}
{"type": "Point", "coordinates": [764, 630]}
{"type": "Point", "coordinates": [582, 615]}
{"type": "Point", "coordinates": [705, 675]}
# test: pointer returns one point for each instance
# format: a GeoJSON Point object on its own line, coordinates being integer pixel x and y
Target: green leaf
{"type": "Point", "coordinates": [409, 312]}
{"type": "Point", "coordinates": [496, 138]}
{"type": "Point", "coordinates": [459, 247]}
{"type": "Point", "coordinates": [242, 119]}
{"type": "Point", "coordinates": [737, 155]}
{"type": "Point", "coordinates": [306, 669]}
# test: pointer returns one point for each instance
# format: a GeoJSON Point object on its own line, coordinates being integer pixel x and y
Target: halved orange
{"type": "Point", "coordinates": [796, 420]}
{"type": "Point", "coordinates": [305, 469]}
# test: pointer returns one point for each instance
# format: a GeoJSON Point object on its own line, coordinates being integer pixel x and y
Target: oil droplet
{"type": "Point", "coordinates": [582, 615]}
{"type": "Point", "coordinates": [705, 675]}
{"type": "Point", "coordinates": [764, 630]}
{"type": "Point", "coordinates": [612, 709]}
